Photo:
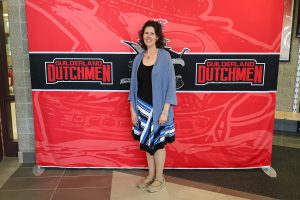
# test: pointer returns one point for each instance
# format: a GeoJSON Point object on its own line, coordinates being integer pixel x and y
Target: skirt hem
{"type": "Point", "coordinates": [158, 146]}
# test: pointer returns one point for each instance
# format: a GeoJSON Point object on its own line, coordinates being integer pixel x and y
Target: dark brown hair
{"type": "Point", "coordinates": [160, 43]}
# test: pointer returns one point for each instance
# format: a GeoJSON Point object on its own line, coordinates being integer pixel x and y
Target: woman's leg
{"type": "Point", "coordinates": [159, 158]}
{"type": "Point", "coordinates": [151, 166]}
{"type": "Point", "coordinates": [159, 182]}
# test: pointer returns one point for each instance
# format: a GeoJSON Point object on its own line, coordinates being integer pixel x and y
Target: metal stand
{"type": "Point", "coordinates": [37, 170]}
{"type": "Point", "coordinates": [270, 171]}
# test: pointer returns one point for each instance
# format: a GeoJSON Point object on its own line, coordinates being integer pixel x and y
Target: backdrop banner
{"type": "Point", "coordinates": [225, 55]}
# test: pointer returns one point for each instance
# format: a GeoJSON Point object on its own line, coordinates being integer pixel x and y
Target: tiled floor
{"type": "Point", "coordinates": [90, 184]}
{"type": "Point", "coordinates": [7, 168]}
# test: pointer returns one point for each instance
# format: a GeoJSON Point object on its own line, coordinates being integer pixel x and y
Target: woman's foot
{"type": "Point", "coordinates": [144, 182]}
{"type": "Point", "coordinates": [156, 185]}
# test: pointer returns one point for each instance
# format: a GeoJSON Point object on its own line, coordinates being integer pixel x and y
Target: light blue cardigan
{"type": "Point", "coordinates": [163, 85]}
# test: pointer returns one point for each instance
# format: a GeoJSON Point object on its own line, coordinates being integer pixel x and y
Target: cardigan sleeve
{"type": "Point", "coordinates": [171, 90]}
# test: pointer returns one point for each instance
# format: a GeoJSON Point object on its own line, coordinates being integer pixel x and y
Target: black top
{"type": "Point", "coordinates": [145, 83]}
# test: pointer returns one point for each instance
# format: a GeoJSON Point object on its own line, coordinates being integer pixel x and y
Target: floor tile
{"type": "Point", "coordinates": [31, 183]}
{"type": "Point", "coordinates": [137, 172]}
{"type": "Point", "coordinates": [123, 188]}
{"type": "Point", "coordinates": [181, 192]}
{"type": "Point", "coordinates": [27, 172]}
{"type": "Point", "coordinates": [203, 186]}
{"type": "Point", "coordinates": [243, 194]}
{"type": "Point", "coordinates": [25, 194]}
{"type": "Point", "coordinates": [82, 194]}
{"type": "Point", "coordinates": [87, 172]}
{"type": "Point", "coordinates": [86, 181]}
{"type": "Point", "coordinates": [7, 167]}
{"type": "Point", "coordinates": [10, 162]}
{"type": "Point", "coordinates": [211, 188]}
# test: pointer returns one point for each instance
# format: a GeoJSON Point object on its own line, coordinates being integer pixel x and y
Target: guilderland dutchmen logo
{"type": "Point", "coordinates": [216, 71]}
{"type": "Point", "coordinates": [79, 70]}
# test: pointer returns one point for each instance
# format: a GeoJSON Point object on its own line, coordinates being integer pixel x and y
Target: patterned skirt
{"type": "Point", "coordinates": [151, 140]}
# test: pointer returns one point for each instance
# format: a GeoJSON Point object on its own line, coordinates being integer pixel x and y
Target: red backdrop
{"type": "Point", "coordinates": [217, 125]}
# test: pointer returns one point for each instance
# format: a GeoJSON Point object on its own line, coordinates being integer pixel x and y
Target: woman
{"type": "Point", "coordinates": [152, 97]}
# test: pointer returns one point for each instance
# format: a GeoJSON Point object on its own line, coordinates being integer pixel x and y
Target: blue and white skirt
{"type": "Point", "coordinates": [151, 140]}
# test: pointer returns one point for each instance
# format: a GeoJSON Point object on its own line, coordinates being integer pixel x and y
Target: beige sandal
{"type": "Point", "coordinates": [144, 183]}
{"type": "Point", "coordinates": [155, 188]}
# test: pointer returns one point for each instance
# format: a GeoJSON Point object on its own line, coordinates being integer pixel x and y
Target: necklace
{"type": "Point", "coordinates": [148, 55]}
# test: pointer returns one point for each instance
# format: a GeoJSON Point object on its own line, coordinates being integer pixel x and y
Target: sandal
{"type": "Point", "coordinates": [144, 183]}
{"type": "Point", "coordinates": [155, 188]}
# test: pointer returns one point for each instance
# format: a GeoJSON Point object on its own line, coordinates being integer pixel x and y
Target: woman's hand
{"type": "Point", "coordinates": [134, 118]}
{"type": "Point", "coordinates": [163, 118]}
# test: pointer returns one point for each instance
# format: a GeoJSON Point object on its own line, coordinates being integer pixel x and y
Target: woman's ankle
{"type": "Point", "coordinates": [160, 178]}
{"type": "Point", "coordinates": [149, 177]}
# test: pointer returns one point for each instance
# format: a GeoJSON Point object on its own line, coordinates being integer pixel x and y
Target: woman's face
{"type": "Point", "coordinates": [150, 37]}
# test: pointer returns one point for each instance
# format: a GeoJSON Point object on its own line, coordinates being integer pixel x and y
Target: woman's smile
{"type": "Point", "coordinates": [149, 36]}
